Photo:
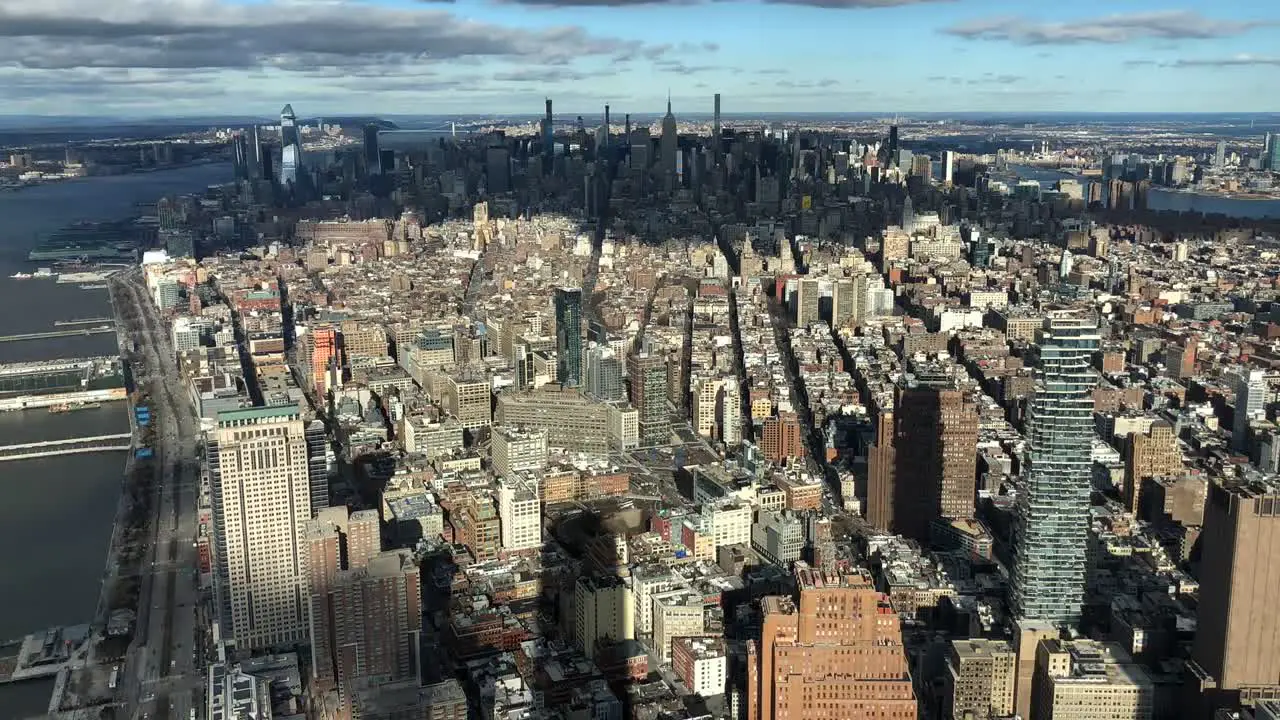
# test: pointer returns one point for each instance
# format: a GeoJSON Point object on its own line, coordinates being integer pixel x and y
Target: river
{"type": "Point", "coordinates": [55, 521]}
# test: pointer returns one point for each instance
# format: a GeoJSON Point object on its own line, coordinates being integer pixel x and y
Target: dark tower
{"type": "Point", "coordinates": [606, 126]}
{"type": "Point", "coordinates": [548, 141]}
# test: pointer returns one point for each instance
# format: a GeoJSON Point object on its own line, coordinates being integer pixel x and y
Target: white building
{"type": "Point", "coordinates": [261, 496]}
{"type": "Point", "coordinates": [517, 449]}
{"type": "Point", "coordinates": [520, 515]}
{"type": "Point", "coordinates": [701, 663]}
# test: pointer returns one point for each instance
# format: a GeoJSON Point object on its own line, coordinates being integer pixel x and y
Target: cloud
{"type": "Point", "coordinates": [1164, 25]}
{"type": "Point", "coordinates": [807, 84]}
{"type": "Point", "coordinates": [829, 4]}
{"type": "Point", "coordinates": [278, 34]}
{"type": "Point", "coordinates": [1243, 60]}
{"type": "Point", "coordinates": [675, 66]}
{"type": "Point", "coordinates": [984, 79]}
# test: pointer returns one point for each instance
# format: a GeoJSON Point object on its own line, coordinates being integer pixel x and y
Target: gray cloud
{"type": "Point", "coordinates": [675, 66]}
{"type": "Point", "coordinates": [288, 36]}
{"type": "Point", "coordinates": [984, 79]}
{"type": "Point", "coordinates": [1165, 25]}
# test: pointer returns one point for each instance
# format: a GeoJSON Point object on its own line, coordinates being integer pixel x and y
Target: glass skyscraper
{"type": "Point", "coordinates": [1052, 527]}
{"type": "Point", "coordinates": [290, 147]}
{"type": "Point", "coordinates": [569, 336]}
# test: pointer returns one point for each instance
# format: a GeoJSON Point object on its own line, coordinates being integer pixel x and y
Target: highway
{"type": "Point", "coordinates": [162, 678]}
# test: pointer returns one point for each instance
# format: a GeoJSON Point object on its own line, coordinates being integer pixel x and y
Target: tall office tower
{"type": "Point", "coordinates": [1251, 397]}
{"type": "Point", "coordinates": [948, 166]}
{"type": "Point", "coordinates": [520, 514]}
{"type": "Point", "coordinates": [290, 147]}
{"type": "Point", "coordinates": [548, 141]}
{"type": "Point", "coordinates": [980, 678]}
{"type": "Point", "coordinates": [844, 303]}
{"type": "Point", "coordinates": [569, 336]}
{"type": "Point", "coordinates": [1152, 454]}
{"type": "Point", "coordinates": [515, 450]}
{"type": "Point", "coordinates": [608, 128]}
{"type": "Point", "coordinates": [1273, 154]}
{"type": "Point", "coordinates": [258, 167]}
{"type": "Point", "coordinates": [714, 414]}
{"type": "Point", "coordinates": [882, 469]}
{"type": "Point", "coordinates": [716, 160]}
{"type": "Point", "coordinates": [936, 478]}
{"type": "Point", "coordinates": [908, 215]}
{"type": "Point", "coordinates": [1184, 364]}
{"type": "Point", "coordinates": [240, 155]}
{"type": "Point", "coordinates": [497, 169]}
{"type": "Point", "coordinates": [836, 654]}
{"type": "Point", "coordinates": [320, 457]}
{"type": "Point", "coordinates": [806, 299]}
{"type": "Point", "coordinates": [669, 148]}
{"type": "Point", "coordinates": [1220, 154]}
{"type": "Point", "coordinates": [261, 497]}
{"type": "Point", "coordinates": [1268, 145]}
{"type": "Point", "coordinates": [1236, 652]}
{"type": "Point", "coordinates": [647, 373]}
{"type": "Point", "coordinates": [371, 156]}
{"type": "Point", "coordinates": [1052, 523]}
{"type": "Point", "coordinates": [604, 373]}
{"type": "Point", "coordinates": [893, 145]}
{"type": "Point", "coordinates": [325, 361]}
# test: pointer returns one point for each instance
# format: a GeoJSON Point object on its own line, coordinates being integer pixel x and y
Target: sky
{"type": "Point", "coordinates": [171, 58]}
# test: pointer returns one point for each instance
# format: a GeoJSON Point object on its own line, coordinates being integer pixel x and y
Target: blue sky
{"type": "Point", "coordinates": [143, 57]}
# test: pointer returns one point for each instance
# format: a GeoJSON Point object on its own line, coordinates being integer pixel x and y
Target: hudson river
{"type": "Point", "coordinates": [55, 521]}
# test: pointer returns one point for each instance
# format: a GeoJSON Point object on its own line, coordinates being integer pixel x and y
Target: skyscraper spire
{"type": "Point", "coordinates": [668, 101]}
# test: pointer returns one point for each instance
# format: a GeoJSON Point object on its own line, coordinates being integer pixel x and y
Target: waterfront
{"type": "Point", "coordinates": [58, 511]}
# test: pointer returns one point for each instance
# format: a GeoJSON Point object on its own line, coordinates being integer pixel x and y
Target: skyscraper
{"type": "Point", "coordinates": [290, 147]}
{"type": "Point", "coordinates": [1052, 526]}
{"type": "Point", "coordinates": [1237, 643]}
{"type": "Point", "coordinates": [1251, 396]}
{"type": "Point", "coordinates": [948, 166]}
{"type": "Point", "coordinates": [548, 141]}
{"type": "Point", "coordinates": [371, 157]}
{"type": "Point", "coordinates": [260, 489]}
{"type": "Point", "coordinates": [648, 376]}
{"type": "Point", "coordinates": [669, 147]}
{"type": "Point", "coordinates": [882, 468]}
{"type": "Point", "coordinates": [715, 136]}
{"type": "Point", "coordinates": [893, 145]}
{"type": "Point", "coordinates": [807, 296]}
{"type": "Point", "coordinates": [936, 477]}
{"type": "Point", "coordinates": [835, 654]}
{"type": "Point", "coordinates": [1220, 154]}
{"type": "Point", "coordinates": [569, 336]}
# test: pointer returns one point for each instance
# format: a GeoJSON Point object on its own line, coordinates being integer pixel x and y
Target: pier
{"type": "Point", "coordinates": [99, 330]}
{"type": "Point", "coordinates": [85, 321]}
{"type": "Point", "coordinates": [71, 446]}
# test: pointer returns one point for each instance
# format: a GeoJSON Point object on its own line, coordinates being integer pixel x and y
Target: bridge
{"type": "Point", "coordinates": [71, 446]}
{"type": "Point", "coordinates": [99, 330]}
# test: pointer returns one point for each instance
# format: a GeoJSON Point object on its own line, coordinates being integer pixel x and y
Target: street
{"type": "Point", "coordinates": [161, 676]}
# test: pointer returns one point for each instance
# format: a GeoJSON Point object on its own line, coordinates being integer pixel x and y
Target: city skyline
{"type": "Point", "coordinates": [182, 57]}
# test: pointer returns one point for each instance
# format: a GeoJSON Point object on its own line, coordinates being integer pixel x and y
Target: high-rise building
{"type": "Point", "coordinates": [515, 450]}
{"type": "Point", "coordinates": [548, 141]}
{"type": "Point", "coordinates": [291, 164]}
{"type": "Point", "coordinates": [782, 438]}
{"type": "Point", "coordinates": [836, 653]}
{"type": "Point", "coordinates": [320, 458]}
{"type": "Point", "coordinates": [893, 145]}
{"type": "Point", "coordinates": [604, 373]}
{"type": "Point", "coordinates": [715, 137]}
{"type": "Point", "coordinates": [1152, 454]}
{"type": "Point", "coordinates": [603, 612]}
{"type": "Point", "coordinates": [845, 302]}
{"type": "Point", "coordinates": [948, 166]}
{"type": "Point", "coordinates": [1052, 522]}
{"type": "Point", "coordinates": [569, 336]}
{"type": "Point", "coordinates": [717, 409]}
{"type": "Point", "coordinates": [371, 156]}
{"type": "Point", "coordinates": [937, 477]}
{"type": "Point", "coordinates": [1220, 154]}
{"type": "Point", "coordinates": [669, 148]}
{"type": "Point", "coordinates": [497, 169]}
{"type": "Point", "coordinates": [1089, 680]}
{"type": "Point", "coordinates": [520, 513]}
{"type": "Point", "coordinates": [1273, 153]}
{"type": "Point", "coordinates": [882, 470]}
{"type": "Point", "coordinates": [261, 497]}
{"type": "Point", "coordinates": [1251, 396]}
{"type": "Point", "coordinates": [648, 377]}
{"type": "Point", "coordinates": [980, 677]}
{"type": "Point", "coordinates": [807, 295]}
{"type": "Point", "coordinates": [1237, 642]}
{"type": "Point", "coordinates": [325, 361]}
